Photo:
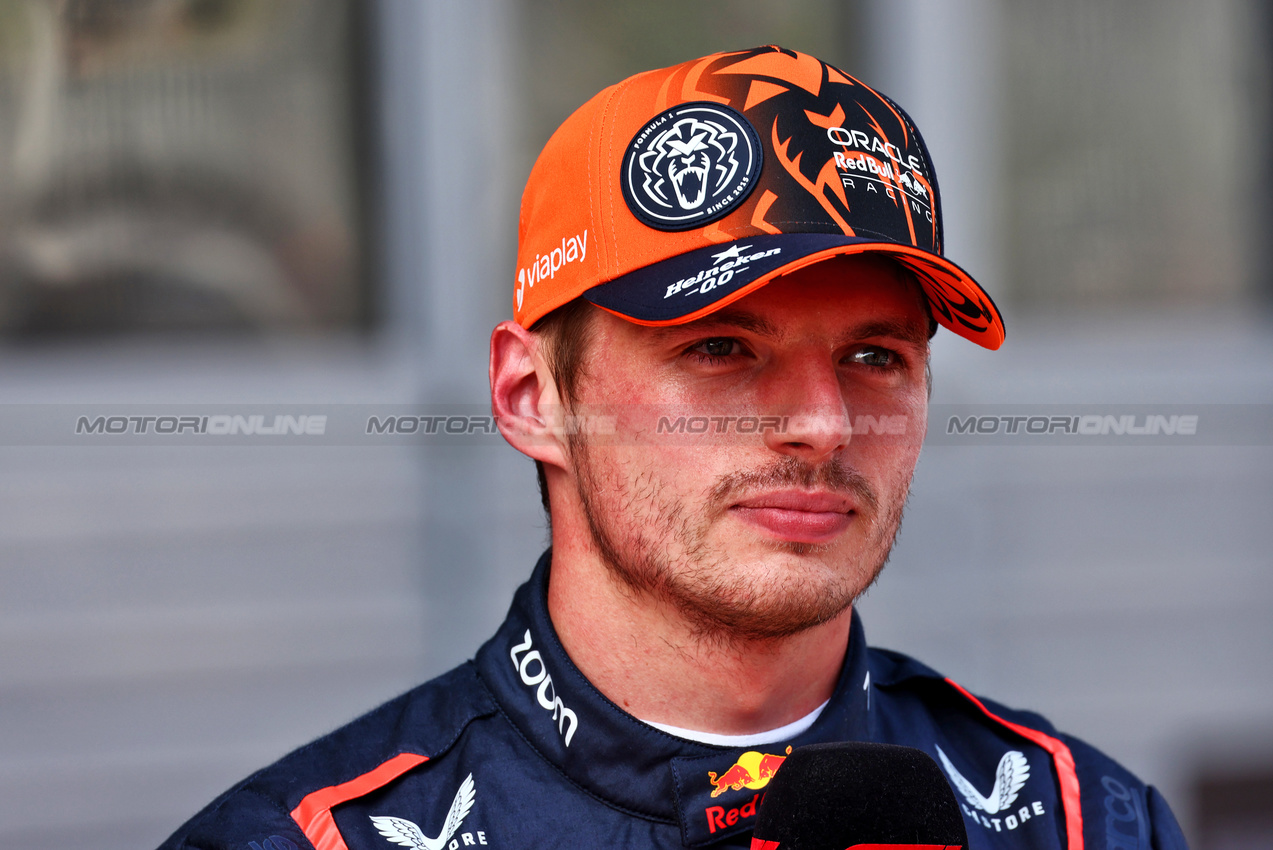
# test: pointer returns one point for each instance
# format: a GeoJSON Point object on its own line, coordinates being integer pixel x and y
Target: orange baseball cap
{"type": "Point", "coordinates": [675, 192]}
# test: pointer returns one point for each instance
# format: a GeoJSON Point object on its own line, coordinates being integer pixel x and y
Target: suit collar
{"type": "Point", "coordinates": [710, 791]}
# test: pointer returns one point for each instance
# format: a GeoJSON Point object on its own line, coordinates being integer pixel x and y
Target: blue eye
{"type": "Point", "coordinates": [718, 347]}
{"type": "Point", "coordinates": [875, 357]}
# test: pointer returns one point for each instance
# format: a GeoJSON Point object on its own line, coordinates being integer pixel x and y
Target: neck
{"type": "Point", "coordinates": [650, 661]}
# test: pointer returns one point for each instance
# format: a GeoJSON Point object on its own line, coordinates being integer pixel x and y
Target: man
{"type": "Point", "coordinates": [728, 275]}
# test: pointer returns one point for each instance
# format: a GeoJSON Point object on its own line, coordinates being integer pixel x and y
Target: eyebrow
{"type": "Point", "coordinates": [905, 331]}
{"type": "Point", "coordinates": [757, 324]}
{"type": "Point", "coordinates": [725, 318]}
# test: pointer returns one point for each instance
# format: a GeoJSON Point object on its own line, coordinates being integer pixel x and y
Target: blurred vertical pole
{"type": "Point", "coordinates": [452, 206]}
{"type": "Point", "coordinates": [942, 61]}
{"type": "Point", "coordinates": [399, 55]}
{"type": "Point", "coordinates": [470, 216]}
{"type": "Point", "coordinates": [449, 209]}
{"type": "Point", "coordinates": [37, 121]}
{"type": "Point", "coordinates": [1261, 87]}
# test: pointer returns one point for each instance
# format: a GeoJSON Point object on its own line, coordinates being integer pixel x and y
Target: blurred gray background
{"type": "Point", "coordinates": [314, 201]}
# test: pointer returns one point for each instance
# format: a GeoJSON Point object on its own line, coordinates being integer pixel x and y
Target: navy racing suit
{"type": "Point", "coordinates": [517, 749]}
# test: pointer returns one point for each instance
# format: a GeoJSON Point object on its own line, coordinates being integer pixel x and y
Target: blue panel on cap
{"type": "Point", "coordinates": [687, 283]}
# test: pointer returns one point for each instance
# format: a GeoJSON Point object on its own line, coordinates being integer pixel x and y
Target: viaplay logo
{"type": "Point", "coordinates": [545, 266]}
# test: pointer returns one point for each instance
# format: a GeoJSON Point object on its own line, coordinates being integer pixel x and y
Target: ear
{"type": "Point", "coordinates": [524, 396]}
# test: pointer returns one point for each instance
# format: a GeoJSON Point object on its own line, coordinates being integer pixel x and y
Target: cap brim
{"type": "Point", "coordinates": [692, 285]}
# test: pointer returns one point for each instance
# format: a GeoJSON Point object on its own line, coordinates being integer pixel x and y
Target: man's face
{"type": "Point", "coordinates": [777, 519]}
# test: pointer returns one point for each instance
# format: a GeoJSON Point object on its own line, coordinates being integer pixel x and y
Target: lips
{"type": "Point", "coordinates": [797, 516]}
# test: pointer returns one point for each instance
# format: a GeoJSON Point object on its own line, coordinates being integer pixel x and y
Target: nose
{"type": "Point", "coordinates": [815, 417]}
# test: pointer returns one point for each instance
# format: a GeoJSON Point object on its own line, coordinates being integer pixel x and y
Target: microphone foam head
{"type": "Point", "coordinates": [835, 796]}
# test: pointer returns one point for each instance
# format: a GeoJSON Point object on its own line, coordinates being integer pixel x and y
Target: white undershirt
{"type": "Point", "coordinates": [782, 733]}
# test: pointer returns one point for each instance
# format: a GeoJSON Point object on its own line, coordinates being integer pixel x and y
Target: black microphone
{"type": "Point", "coordinates": [854, 794]}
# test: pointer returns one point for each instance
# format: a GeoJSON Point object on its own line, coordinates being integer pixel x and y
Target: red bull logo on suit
{"type": "Point", "coordinates": [752, 770]}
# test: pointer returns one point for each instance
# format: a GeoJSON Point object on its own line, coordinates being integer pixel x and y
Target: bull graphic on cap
{"type": "Point", "coordinates": [841, 157]}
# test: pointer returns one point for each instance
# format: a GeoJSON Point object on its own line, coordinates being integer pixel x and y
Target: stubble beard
{"type": "Point", "coordinates": [659, 548]}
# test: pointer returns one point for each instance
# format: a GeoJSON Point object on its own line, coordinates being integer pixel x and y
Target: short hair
{"type": "Point", "coordinates": [566, 333]}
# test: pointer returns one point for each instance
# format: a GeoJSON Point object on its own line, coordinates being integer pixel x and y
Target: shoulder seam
{"type": "Point", "coordinates": [1062, 758]}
